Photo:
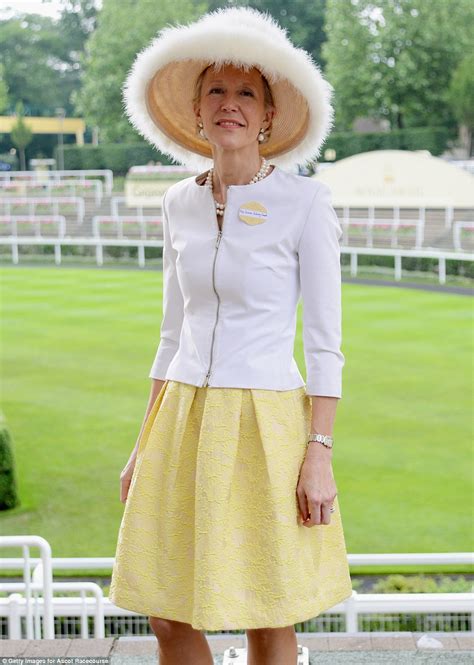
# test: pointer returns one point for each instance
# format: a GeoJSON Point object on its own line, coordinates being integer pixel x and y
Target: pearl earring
{"type": "Point", "coordinates": [261, 135]}
{"type": "Point", "coordinates": [201, 131]}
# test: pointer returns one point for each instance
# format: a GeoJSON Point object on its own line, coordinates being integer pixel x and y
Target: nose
{"type": "Point", "coordinates": [228, 102]}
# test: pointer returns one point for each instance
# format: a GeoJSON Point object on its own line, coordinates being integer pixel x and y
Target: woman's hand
{"type": "Point", "coordinates": [126, 479]}
{"type": "Point", "coordinates": [316, 488]}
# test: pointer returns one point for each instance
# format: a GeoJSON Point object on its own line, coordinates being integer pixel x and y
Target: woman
{"type": "Point", "coordinates": [231, 516]}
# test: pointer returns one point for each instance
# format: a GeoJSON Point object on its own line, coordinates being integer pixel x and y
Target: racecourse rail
{"type": "Point", "coordinates": [37, 598]}
{"type": "Point", "coordinates": [354, 252]}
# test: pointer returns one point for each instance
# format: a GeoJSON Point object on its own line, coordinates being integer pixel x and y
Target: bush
{"type": "Point", "coordinates": [421, 584]}
{"type": "Point", "coordinates": [13, 160]}
{"type": "Point", "coordinates": [8, 489]}
{"type": "Point", "coordinates": [118, 157]}
{"type": "Point", "coordinates": [414, 264]}
{"type": "Point", "coordinates": [434, 139]}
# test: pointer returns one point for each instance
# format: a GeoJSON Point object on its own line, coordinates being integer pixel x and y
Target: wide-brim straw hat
{"type": "Point", "coordinates": [159, 87]}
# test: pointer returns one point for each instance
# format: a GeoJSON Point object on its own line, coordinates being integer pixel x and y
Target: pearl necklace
{"type": "Point", "coordinates": [262, 173]}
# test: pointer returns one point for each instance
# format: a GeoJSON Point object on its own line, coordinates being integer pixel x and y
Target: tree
{"type": "Point", "coordinates": [42, 56]}
{"type": "Point", "coordinates": [461, 96]}
{"type": "Point", "coordinates": [349, 67]}
{"type": "Point", "coordinates": [21, 135]}
{"type": "Point", "coordinates": [394, 58]}
{"type": "Point", "coordinates": [29, 47]}
{"type": "Point", "coordinates": [304, 20]}
{"type": "Point", "coordinates": [3, 89]}
{"type": "Point", "coordinates": [77, 22]}
{"type": "Point", "coordinates": [124, 27]}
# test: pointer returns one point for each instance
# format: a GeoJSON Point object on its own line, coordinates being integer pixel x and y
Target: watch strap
{"type": "Point", "coordinates": [325, 439]}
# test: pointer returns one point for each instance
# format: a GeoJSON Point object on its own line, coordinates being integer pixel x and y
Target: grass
{"type": "Point", "coordinates": [77, 345]}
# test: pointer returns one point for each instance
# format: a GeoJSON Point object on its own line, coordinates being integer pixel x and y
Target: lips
{"type": "Point", "coordinates": [228, 123]}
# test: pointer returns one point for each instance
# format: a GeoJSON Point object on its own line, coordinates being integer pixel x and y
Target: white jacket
{"type": "Point", "coordinates": [230, 298]}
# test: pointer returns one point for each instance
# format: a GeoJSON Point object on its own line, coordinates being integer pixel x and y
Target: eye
{"type": "Point", "coordinates": [249, 92]}
{"type": "Point", "coordinates": [212, 90]}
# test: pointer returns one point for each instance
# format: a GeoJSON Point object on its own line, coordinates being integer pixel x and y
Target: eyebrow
{"type": "Point", "coordinates": [251, 85]}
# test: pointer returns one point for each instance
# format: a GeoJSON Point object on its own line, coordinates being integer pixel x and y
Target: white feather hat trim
{"type": "Point", "coordinates": [159, 88]}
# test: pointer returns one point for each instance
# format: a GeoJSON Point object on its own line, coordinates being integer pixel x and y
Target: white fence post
{"type": "Point", "coordinates": [353, 264]}
{"type": "Point", "coordinates": [351, 614]}
{"type": "Point", "coordinates": [442, 270]}
{"type": "Point", "coordinates": [398, 267]}
{"type": "Point", "coordinates": [14, 617]}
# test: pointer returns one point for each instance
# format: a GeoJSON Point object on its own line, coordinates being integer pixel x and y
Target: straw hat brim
{"type": "Point", "coordinates": [159, 88]}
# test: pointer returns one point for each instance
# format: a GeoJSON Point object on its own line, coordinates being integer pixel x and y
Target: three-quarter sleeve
{"type": "Point", "coordinates": [173, 305]}
{"type": "Point", "coordinates": [320, 281]}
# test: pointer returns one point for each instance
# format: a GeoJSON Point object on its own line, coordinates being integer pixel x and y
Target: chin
{"type": "Point", "coordinates": [229, 143]}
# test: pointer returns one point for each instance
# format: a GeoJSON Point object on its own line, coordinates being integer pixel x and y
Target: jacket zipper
{"type": "Point", "coordinates": [218, 240]}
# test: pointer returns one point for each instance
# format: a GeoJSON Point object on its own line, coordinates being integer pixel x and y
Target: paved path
{"type": "Point", "coordinates": [324, 649]}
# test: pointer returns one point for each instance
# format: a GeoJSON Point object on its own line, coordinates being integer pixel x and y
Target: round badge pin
{"type": "Point", "coordinates": [253, 213]}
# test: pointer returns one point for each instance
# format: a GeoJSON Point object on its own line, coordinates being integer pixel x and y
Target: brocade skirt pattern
{"type": "Point", "coordinates": [210, 533]}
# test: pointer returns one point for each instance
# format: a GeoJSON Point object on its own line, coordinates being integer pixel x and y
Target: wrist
{"type": "Point", "coordinates": [133, 457]}
{"type": "Point", "coordinates": [319, 450]}
{"type": "Point", "coordinates": [324, 439]}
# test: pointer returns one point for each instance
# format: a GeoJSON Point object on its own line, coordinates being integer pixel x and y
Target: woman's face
{"type": "Point", "coordinates": [230, 93]}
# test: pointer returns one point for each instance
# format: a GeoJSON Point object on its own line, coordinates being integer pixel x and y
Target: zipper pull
{"type": "Point", "coordinates": [206, 380]}
{"type": "Point", "coordinates": [219, 236]}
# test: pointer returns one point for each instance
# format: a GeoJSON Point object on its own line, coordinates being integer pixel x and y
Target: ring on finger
{"type": "Point", "coordinates": [331, 510]}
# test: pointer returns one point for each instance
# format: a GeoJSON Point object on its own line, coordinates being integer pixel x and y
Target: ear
{"type": "Point", "coordinates": [268, 117]}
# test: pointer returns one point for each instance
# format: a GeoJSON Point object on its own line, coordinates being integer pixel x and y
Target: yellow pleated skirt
{"type": "Point", "coordinates": [210, 533]}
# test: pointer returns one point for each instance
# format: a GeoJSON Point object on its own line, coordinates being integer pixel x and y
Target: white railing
{"type": "Point", "coordinates": [97, 243]}
{"type": "Point", "coordinates": [410, 603]}
{"type": "Point", "coordinates": [372, 226]}
{"type": "Point", "coordinates": [117, 201]}
{"type": "Point", "coordinates": [395, 213]}
{"type": "Point", "coordinates": [120, 201]}
{"type": "Point", "coordinates": [117, 222]}
{"type": "Point", "coordinates": [354, 252]}
{"type": "Point", "coordinates": [398, 254]}
{"type": "Point", "coordinates": [162, 168]}
{"type": "Point", "coordinates": [50, 185]}
{"type": "Point", "coordinates": [458, 228]}
{"type": "Point", "coordinates": [37, 221]}
{"type": "Point", "coordinates": [17, 606]}
{"type": "Point", "coordinates": [25, 542]}
{"type": "Point", "coordinates": [38, 579]}
{"type": "Point", "coordinates": [58, 176]}
{"type": "Point", "coordinates": [30, 606]}
{"type": "Point", "coordinates": [8, 202]}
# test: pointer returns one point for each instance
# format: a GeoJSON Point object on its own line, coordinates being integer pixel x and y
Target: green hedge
{"type": "Point", "coordinates": [118, 157]}
{"type": "Point", "coordinates": [121, 156]}
{"type": "Point", "coordinates": [10, 159]}
{"type": "Point", "coordinates": [421, 264]}
{"type": "Point", "coordinates": [434, 139]}
{"type": "Point", "coordinates": [8, 487]}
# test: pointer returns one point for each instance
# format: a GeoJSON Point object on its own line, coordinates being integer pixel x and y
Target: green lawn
{"type": "Point", "coordinates": [77, 345]}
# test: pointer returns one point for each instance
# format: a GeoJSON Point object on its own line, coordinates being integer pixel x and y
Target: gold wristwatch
{"type": "Point", "coordinates": [325, 439]}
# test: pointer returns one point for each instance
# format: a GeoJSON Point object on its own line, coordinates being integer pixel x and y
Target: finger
{"type": "Point", "coordinates": [302, 507]}
{"type": "Point", "coordinates": [315, 513]}
{"type": "Point", "coordinates": [326, 513]}
{"type": "Point", "coordinates": [124, 487]}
